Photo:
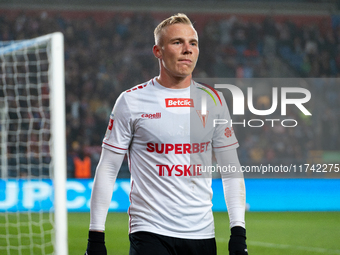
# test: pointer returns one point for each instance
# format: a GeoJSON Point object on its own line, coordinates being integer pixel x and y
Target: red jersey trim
{"type": "Point", "coordinates": [138, 87]}
{"type": "Point", "coordinates": [114, 146]}
{"type": "Point", "coordinates": [225, 146]}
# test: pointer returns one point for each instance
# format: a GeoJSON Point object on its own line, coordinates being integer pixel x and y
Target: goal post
{"type": "Point", "coordinates": [59, 141]}
{"type": "Point", "coordinates": [33, 213]}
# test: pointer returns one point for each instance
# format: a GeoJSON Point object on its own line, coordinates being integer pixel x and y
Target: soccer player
{"type": "Point", "coordinates": [169, 138]}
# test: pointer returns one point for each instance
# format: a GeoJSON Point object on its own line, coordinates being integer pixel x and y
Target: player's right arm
{"type": "Point", "coordinates": [115, 145]}
{"type": "Point", "coordinates": [105, 178]}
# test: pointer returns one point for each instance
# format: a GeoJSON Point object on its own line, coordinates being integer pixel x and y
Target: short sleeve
{"type": "Point", "coordinates": [224, 137]}
{"type": "Point", "coordinates": [119, 131]}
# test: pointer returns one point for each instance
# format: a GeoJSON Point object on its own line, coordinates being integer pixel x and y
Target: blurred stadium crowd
{"type": "Point", "coordinates": [102, 59]}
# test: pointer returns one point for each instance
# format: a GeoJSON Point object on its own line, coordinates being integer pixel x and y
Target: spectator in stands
{"type": "Point", "coordinates": [82, 162]}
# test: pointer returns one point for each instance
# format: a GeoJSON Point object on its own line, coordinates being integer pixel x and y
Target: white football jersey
{"type": "Point", "coordinates": [168, 140]}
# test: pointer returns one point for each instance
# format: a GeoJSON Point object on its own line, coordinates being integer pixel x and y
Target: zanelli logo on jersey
{"type": "Point", "coordinates": [179, 102]}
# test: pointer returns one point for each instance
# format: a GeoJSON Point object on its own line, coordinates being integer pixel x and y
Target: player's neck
{"type": "Point", "coordinates": [174, 82]}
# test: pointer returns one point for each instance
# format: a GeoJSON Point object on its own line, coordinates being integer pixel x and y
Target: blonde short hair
{"type": "Point", "coordinates": [179, 18]}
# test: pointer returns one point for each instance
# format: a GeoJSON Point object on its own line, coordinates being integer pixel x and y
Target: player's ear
{"type": "Point", "coordinates": [157, 51]}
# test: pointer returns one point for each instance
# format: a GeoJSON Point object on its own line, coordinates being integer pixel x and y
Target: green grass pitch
{"type": "Point", "coordinates": [268, 233]}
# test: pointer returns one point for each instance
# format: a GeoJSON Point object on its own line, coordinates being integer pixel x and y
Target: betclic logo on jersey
{"type": "Point", "coordinates": [179, 102]}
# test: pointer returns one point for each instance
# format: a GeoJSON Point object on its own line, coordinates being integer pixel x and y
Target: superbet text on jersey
{"type": "Point", "coordinates": [168, 138]}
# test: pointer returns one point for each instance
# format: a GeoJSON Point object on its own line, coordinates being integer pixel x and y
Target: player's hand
{"type": "Point", "coordinates": [237, 243]}
{"type": "Point", "coordinates": [96, 244]}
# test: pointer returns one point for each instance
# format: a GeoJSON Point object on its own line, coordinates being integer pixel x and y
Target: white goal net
{"type": "Point", "coordinates": [32, 147]}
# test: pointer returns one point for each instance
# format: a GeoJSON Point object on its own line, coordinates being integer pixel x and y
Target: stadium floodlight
{"type": "Point", "coordinates": [33, 214]}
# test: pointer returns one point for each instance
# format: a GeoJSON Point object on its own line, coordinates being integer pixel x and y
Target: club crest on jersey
{"type": "Point", "coordinates": [203, 118]}
{"type": "Point", "coordinates": [109, 127]}
{"type": "Point", "coordinates": [156, 115]}
{"type": "Point", "coordinates": [228, 132]}
{"type": "Point", "coordinates": [179, 102]}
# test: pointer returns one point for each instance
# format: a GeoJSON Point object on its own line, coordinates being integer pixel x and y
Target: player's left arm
{"type": "Point", "coordinates": [234, 194]}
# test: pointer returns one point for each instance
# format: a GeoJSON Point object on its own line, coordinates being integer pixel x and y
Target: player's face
{"type": "Point", "coordinates": [179, 50]}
